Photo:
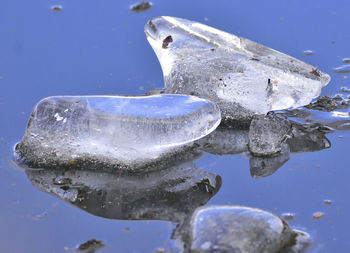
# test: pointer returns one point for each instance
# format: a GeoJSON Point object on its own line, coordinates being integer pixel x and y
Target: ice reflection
{"type": "Point", "coordinates": [169, 194]}
{"type": "Point", "coordinates": [234, 140]}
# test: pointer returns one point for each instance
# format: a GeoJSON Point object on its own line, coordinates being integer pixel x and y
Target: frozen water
{"type": "Point", "coordinates": [267, 134]}
{"type": "Point", "coordinates": [243, 77]}
{"type": "Point", "coordinates": [327, 114]}
{"type": "Point", "coordinates": [342, 69]}
{"type": "Point", "coordinates": [114, 130]}
{"type": "Point", "coordinates": [239, 229]}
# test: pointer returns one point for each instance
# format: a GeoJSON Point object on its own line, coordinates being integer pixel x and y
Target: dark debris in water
{"type": "Point", "coordinates": [91, 246]}
{"type": "Point", "coordinates": [56, 8]}
{"type": "Point", "coordinates": [140, 7]}
{"type": "Point", "coordinates": [318, 215]}
{"type": "Point", "coordinates": [328, 104]}
{"type": "Point", "coordinates": [344, 90]}
{"type": "Point", "coordinates": [328, 202]}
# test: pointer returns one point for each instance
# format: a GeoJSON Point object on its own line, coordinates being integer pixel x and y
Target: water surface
{"type": "Point", "coordinates": [100, 48]}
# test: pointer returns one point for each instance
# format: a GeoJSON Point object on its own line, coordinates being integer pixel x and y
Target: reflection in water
{"type": "Point", "coordinates": [169, 194]}
{"type": "Point", "coordinates": [232, 141]}
{"type": "Point", "coordinates": [174, 193]}
{"type": "Point", "coordinates": [308, 138]}
{"type": "Point", "coordinates": [266, 166]}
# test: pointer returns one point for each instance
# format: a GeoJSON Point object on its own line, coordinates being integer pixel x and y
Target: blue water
{"type": "Point", "coordinates": [98, 47]}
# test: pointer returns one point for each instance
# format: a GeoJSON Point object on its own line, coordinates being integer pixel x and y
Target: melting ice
{"type": "Point", "coordinates": [243, 77]}
{"type": "Point", "coordinates": [115, 130]}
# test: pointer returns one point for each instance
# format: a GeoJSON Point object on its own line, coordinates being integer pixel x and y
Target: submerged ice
{"type": "Point", "coordinates": [243, 77]}
{"type": "Point", "coordinates": [115, 130]}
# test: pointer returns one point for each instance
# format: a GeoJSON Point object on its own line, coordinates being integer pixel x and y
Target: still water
{"type": "Point", "coordinates": [99, 47]}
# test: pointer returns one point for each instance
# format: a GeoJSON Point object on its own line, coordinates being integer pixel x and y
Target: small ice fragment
{"type": "Point", "coordinates": [326, 103]}
{"type": "Point", "coordinates": [243, 77]}
{"type": "Point", "coordinates": [288, 216]}
{"type": "Point", "coordinates": [114, 129]}
{"type": "Point", "coordinates": [345, 90]}
{"type": "Point", "coordinates": [267, 134]}
{"type": "Point", "coordinates": [308, 53]}
{"type": "Point", "coordinates": [140, 7]}
{"type": "Point", "coordinates": [91, 245]}
{"type": "Point", "coordinates": [342, 69]}
{"type": "Point", "coordinates": [56, 8]}
{"type": "Point", "coordinates": [328, 202]}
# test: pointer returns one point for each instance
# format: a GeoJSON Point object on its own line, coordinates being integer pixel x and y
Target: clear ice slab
{"type": "Point", "coordinates": [121, 131]}
{"type": "Point", "coordinates": [243, 77]}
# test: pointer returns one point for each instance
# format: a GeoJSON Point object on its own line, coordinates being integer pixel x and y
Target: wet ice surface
{"type": "Point", "coordinates": [85, 49]}
{"type": "Point", "coordinates": [128, 132]}
{"type": "Point", "coordinates": [239, 229]}
{"type": "Point", "coordinates": [326, 114]}
{"type": "Point", "coordinates": [268, 141]}
{"type": "Point", "coordinates": [267, 134]}
{"type": "Point", "coordinates": [342, 69]}
{"type": "Point", "coordinates": [241, 76]}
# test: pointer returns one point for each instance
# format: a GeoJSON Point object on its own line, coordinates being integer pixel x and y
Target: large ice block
{"type": "Point", "coordinates": [243, 77]}
{"type": "Point", "coordinates": [114, 130]}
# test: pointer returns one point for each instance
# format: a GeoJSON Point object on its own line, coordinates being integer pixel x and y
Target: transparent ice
{"type": "Point", "coordinates": [243, 77]}
{"type": "Point", "coordinates": [116, 130]}
{"type": "Point", "coordinates": [267, 134]}
{"type": "Point", "coordinates": [242, 229]}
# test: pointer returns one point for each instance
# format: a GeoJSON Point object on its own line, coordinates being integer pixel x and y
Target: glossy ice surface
{"type": "Point", "coordinates": [239, 229]}
{"type": "Point", "coordinates": [99, 47]}
{"type": "Point", "coordinates": [242, 76]}
{"type": "Point", "coordinates": [114, 130]}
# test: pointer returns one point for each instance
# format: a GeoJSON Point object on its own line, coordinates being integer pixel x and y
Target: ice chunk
{"type": "Point", "coordinates": [267, 134]}
{"type": "Point", "coordinates": [241, 76]}
{"type": "Point", "coordinates": [114, 130]}
{"type": "Point", "coordinates": [140, 7]}
{"type": "Point", "coordinates": [239, 229]}
{"type": "Point", "coordinates": [170, 194]}
{"type": "Point", "coordinates": [342, 69]}
{"type": "Point", "coordinates": [327, 113]}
